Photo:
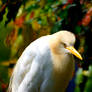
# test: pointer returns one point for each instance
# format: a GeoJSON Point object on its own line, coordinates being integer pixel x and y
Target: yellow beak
{"type": "Point", "coordinates": [74, 52]}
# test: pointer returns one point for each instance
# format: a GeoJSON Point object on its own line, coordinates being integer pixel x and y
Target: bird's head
{"type": "Point", "coordinates": [66, 42]}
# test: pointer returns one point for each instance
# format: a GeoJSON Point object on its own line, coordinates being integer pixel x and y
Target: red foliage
{"type": "Point", "coordinates": [86, 20]}
{"type": "Point", "coordinates": [19, 21]}
{"type": "Point", "coordinates": [64, 6]}
{"type": "Point", "coordinates": [58, 18]}
{"type": "Point", "coordinates": [70, 1]}
{"type": "Point", "coordinates": [32, 14]}
{"type": "Point", "coordinates": [81, 1]}
{"type": "Point", "coordinates": [10, 39]}
{"type": "Point", "coordinates": [79, 23]}
{"type": "Point", "coordinates": [89, 12]}
{"type": "Point", "coordinates": [4, 87]}
{"type": "Point", "coordinates": [3, 7]}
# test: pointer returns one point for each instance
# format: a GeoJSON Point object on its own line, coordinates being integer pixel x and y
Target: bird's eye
{"type": "Point", "coordinates": [64, 45]}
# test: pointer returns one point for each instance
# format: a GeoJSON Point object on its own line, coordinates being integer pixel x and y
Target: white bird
{"type": "Point", "coordinates": [46, 65]}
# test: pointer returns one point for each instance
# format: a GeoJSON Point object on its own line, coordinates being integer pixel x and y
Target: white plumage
{"type": "Point", "coordinates": [46, 65]}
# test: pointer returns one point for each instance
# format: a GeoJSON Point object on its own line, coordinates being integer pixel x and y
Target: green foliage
{"type": "Point", "coordinates": [88, 86]}
{"type": "Point", "coordinates": [78, 29]}
{"type": "Point", "coordinates": [79, 76]}
{"type": "Point", "coordinates": [4, 74]}
{"type": "Point", "coordinates": [3, 78]}
{"type": "Point", "coordinates": [79, 79]}
{"type": "Point", "coordinates": [4, 30]}
{"type": "Point", "coordinates": [56, 27]}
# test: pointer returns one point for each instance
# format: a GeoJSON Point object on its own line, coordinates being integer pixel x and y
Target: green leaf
{"type": "Point", "coordinates": [77, 89]}
{"type": "Point", "coordinates": [4, 30]}
{"type": "Point", "coordinates": [31, 7]}
{"type": "Point", "coordinates": [44, 20]}
{"type": "Point", "coordinates": [4, 75]}
{"type": "Point", "coordinates": [77, 30]}
{"type": "Point", "coordinates": [79, 79]}
{"type": "Point", "coordinates": [79, 76]}
{"type": "Point", "coordinates": [56, 27]}
{"type": "Point", "coordinates": [88, 86]}
{"type": "Point", "coordinates": [50, 1]}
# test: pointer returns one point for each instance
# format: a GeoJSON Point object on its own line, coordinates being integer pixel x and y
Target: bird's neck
{"type": "Point", "coordinates": [54, 43]}
{"type": "Point", "coordinates": [63, 66]}
{"type": "Point", "coordinates": [61, 60]}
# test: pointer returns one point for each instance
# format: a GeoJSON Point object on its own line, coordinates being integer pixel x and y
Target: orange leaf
{"type": "Point", "coordinates": [31, 15]}
{"type": "Point", "coordinates": [86, 20]}
{"type": "Point", "coordinates": [36, 26]}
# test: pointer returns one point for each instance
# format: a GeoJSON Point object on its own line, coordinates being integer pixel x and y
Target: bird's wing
{"type": "Point", "coordinates": [32, 79]}
{"type": "Point", "coordinates": [21, 68]}
{"type": "Point", "coordinates": [27, 73]}
{"type": "Point", "coordinates": [10, 88]}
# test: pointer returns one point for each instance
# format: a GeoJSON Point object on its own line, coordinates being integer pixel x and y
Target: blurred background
{"type": "Point", "coordinates": [23, 21]}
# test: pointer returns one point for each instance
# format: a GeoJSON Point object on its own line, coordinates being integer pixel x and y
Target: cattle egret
{"type": "Point", "coordinates": [46, 65]}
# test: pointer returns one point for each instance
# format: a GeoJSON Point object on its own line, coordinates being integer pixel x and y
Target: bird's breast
{"type": "Point", "coordinates": [63, 66]}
